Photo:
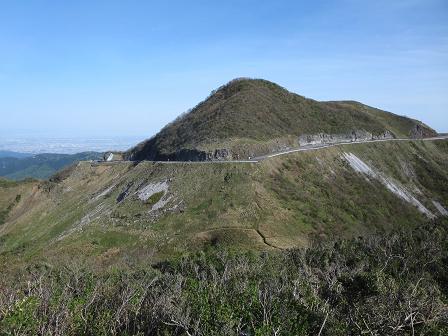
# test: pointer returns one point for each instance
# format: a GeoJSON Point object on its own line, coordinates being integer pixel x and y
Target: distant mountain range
{"type": "Point", "coordinates": [11, 154]}
{"type": "Point", "coordinates": [18, 166]}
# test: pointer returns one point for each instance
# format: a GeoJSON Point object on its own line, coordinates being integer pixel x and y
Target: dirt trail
{"type": "Point", "coordinates": [263, 238]}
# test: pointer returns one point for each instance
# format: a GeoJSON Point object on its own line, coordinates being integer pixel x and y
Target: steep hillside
{"type": "Point", "coordinates": [11, 194]}
{"type": "Point", "coordinates": [41, 166]}
{"type": "Point", "coordinates": [108, 213]}
{"type": "Point", "coordinates": [253, 117]}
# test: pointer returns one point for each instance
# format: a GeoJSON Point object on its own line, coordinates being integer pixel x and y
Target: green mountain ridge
{"type": "Point", "coordinates": [11, 154]}
{"type": "Point", "coordinates": [250, 117]}
{"type": "Point", "coordinates": [41, 166]}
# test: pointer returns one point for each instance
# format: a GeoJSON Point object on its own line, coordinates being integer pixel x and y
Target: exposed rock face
{"type": "Point", "coordinates": [354, 136]}
{"type": "Point", "coordinates": [440, 208]}
{"type": "Point", "coordinates": [113, 156]}
{"type": "Point", "coordinates": [185, 154]}
{"type": "Point", "coordinates": [394, 186]}
{"type": "Point", "coordinates": [152, 188]}
{"type": "Point", "coordinates": [419, 132]}
{"type": "Point", "coordinates": [219, 154]}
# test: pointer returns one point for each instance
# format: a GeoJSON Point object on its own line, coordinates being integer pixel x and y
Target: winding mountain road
{"type": "Point", "coordinates": [289, 151]}
{"type": "Point", "coordinates": [321, 146]}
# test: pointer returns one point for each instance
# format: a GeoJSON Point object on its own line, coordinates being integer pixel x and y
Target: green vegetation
{"type": "Point", "coordinates": [3, 216]}
{"type": "Point", "coordinates": [393, 284]}
{"type": "Point", "coordinates": [40, 166]}
{"type": "Point", "coordinates": [155, 198]}
{"type": "Point", "coordinates": [400, 125]}
{"type": "Point", "coordinates": [4, 212]}
{"type": "Point", "coordinates": [280, 203]}
{"type": "Point", "coordinates": [4, 183]}
{"type": "Point", "coordinates": [322, 195]}
{"type": "Point", "coordinates": [261, 115]}
{"type": "Point", "coordinates": [346, 240]}
{"type": "Point", "coordinates": [309, 243]}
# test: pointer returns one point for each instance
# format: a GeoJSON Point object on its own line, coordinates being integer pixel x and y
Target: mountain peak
{"type": "Point", "coordinates": [249, 117]}
{"type": "Point", "coordinates": [246, 85]}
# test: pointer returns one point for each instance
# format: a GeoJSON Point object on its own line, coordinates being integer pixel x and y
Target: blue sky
{"type": "Point", "coordinates": [84, 68]}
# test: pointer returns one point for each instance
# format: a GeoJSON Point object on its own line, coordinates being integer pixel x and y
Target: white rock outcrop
{"type": "Point", "coordinates": [361, 167]}
{"type": "Point", "coordinates": [152, 188]}
{"type": "Point", "coordinates": [440, 208]}
{"type": "Point", "coordinates": [354, 136]}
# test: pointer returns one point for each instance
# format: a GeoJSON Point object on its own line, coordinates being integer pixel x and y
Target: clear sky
{"type": "Point", "coordinates": [84, 68]}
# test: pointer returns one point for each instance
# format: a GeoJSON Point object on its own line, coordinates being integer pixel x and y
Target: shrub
{"type": "Point", "coordinates": [384, 285]}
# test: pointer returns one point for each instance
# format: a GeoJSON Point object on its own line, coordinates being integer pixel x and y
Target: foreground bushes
{"type": "Point", "coordinates": [385, 285]}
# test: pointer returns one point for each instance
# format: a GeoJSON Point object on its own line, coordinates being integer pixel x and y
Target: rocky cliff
{"type": "Point", "coordinates": [354, 136]}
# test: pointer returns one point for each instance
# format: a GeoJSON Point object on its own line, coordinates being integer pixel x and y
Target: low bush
{"type": "Point", "coordinates": [383, 285]}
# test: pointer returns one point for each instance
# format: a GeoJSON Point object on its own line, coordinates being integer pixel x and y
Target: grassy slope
{"type": "Point", "coordinates": [11, 194]}
{"type": "Point", "coordinates": [258, 111]}
{"type": "Point", "coordinates": [400, 125]}
{"type": "Point", "coordinates": [281, 202]}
